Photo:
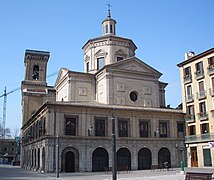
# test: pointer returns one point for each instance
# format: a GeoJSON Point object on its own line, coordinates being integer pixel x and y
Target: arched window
{"type": "Point", "coordinates": [111, 28]}
{"type": "Point", "coordinates": [106, 28]}
{"type": "Point", "coordinates": [36, 72]}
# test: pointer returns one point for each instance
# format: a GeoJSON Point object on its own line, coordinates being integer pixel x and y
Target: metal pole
{"type": "Point", "coordinates": [114, 158]}
{"type": "Point", "coordinates": [57, 156]}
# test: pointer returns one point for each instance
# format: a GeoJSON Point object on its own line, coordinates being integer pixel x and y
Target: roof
{"type": "Point", "coordinates": [205, 53]}
{"type": "Point", "coordinates": [129, 60]}
{"type": "Point", "coordinates": [109, 36]}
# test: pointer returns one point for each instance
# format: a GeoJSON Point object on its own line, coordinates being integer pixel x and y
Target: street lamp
{"type": "Point", "coordinates": [114, 158]}
{"type": "Point", "coordinates": [57, 156]}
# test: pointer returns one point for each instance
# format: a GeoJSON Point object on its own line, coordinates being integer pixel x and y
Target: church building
{"type": "Point", "coordinates": [73, 117]}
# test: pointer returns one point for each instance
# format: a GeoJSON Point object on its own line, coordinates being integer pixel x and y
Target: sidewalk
{"type": "Point", "coordinates": [15, 172]}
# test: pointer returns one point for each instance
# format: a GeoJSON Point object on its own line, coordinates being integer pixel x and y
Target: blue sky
{"type": "Point", "coordinates": [163, 30]}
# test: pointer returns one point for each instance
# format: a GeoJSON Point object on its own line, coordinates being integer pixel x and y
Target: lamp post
{"type": "Point", "coordinates": [57, 156]}
{"type": "Point", "coordinates": [114, 158]}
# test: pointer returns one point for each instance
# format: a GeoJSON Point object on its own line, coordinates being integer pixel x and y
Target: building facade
{"type": "Point", "coordinates": [7, 151]}
{"type": "Point", "coordinates": [197, 82]}
{"type": "Point", "coordinates": [76, 112]}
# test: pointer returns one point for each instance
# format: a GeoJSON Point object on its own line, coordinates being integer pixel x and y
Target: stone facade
{"type": "Point", "coordinates": [76, 113]}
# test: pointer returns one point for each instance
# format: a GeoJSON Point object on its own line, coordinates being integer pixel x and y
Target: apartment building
{"type": "Point", "coordinates": [197, 82]}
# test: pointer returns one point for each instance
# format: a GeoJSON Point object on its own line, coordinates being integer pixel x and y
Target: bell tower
{"type": "Point", "coordinates": [34, 86]}
{"type": "Point", "coordinates": [109, 24]}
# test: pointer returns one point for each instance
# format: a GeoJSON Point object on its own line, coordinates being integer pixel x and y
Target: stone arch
{"type": "Point", "coordinates": [164, 156]}
{"type": "Point", "coordinates": [38, 159]}
{"type": "Point", "coordinates": [100, 159]}
{"type": "Point", "coordinates": [123, 158]}
{"type": "Point", "coordinates": [144, 159]}
{"type": "Point", "coordinates": [70, 160]}
{"type": "Point", "coordinates": [43, 159]}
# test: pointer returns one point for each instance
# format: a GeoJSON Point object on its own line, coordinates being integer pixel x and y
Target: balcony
{"type": "Point", "coordinates": [199, 74]}
{"type": "Point", "coordinates": [187, 79]}
{"type": "Point", "coordinates": [210, 69]}
{"type": "Point", "coordinates": [189, 98]}
{"type": "Point", "coordinates": [190, 118]}
{"type": "Point", "coordinates": [199, 138]}
{"type": "Point", "coordinates": [201, 94]}
{"type": "Point", "coordinates": [203, 116]}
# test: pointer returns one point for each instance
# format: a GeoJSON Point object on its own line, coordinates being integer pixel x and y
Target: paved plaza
{"type": "Point", "coordinates": [17, 173]}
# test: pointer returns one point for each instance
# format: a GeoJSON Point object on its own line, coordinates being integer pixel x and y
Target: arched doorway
{"type": "Point", "coordinates": [164, 156]}
{"type": "Point", "coordinates": [43, 159]}
{"type": "Point", "coordinates": [123, 158]}
{"type": "Point", "coordinates": [144, 159]}
{"type": "Point", "coordinates": [70, 160]}
{"type": "Point", "coordinates": [38, 157]}
{"type": "Point", "coordinates": [99, 159]}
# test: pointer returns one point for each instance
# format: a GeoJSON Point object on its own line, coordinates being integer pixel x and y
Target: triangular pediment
{"type": "Point", "coordinates": [135, 65]}
{"type": "Point", "coordinates": [62, 73]}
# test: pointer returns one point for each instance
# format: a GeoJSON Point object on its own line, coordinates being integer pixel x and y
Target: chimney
{"type": "Point", "coordinates": [189, 55]}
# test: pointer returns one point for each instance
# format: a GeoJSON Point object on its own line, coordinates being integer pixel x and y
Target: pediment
{"type": "Point", "coordinates": [136, 65]}
{"type": "Point", "coordinates": [62, 73]}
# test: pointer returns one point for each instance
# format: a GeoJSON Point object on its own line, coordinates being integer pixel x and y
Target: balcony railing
{"type": "Point", "coordinates": [188, 78]}
{"type": "Point", "coordinates": [190, 117]}
{"type": "Point", "coordinates": [189, 98]}
{"type": "Point", "coordinates": [210, 69]}
{"type": "Point", "coordinates": [201, 94]}
{"type": "Point", "coordinates": [199, 74]}
{"type": "Point", "coordinates": [203, 115]}
{"type": "Point", "coordinates": [199, 138]}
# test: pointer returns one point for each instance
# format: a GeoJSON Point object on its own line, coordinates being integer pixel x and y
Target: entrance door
{"type": "Point", "coordinates": [144, 159]}
{"type": "Point", "coordinates": [99, 159]}
{"type": "Point", "coordinates": [194, 157]}
{"type": "Point", "coordinates": [69, 162]}
{"type": "Point", "coordinates": [123, 158]}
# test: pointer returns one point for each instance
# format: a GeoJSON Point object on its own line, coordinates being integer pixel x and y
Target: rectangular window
{"type": "Point", "coordinates": [100, 62]}
{"type": "Point", "coordinates": [144, 128]}
{"type": "Point", "coordinates": [43, 127]}
{"type": "Point", "coordinates": [189, 90]}
{"type": "Point", "coordinates": [212, 82]}
{"type": "Point", "coordinates": [40, 128]}
{"type": "Point", "coordinates": [204, 128]}
{"type": "Point", "coordinates": [191, 130]}
{"type": "Point", "coordinates": [187, 72]}
{"type": "Point", "coordinates": [180, 129]}
{"type": "Point", "coordinates": [211, 61]}
{"type": "Point", "coordinates": [87, 67]}
{"type": "Point", "coordinates": [202, 108]}
{"type": "Point", "coordinates": [70, 126]}
{"type": "Point", "coordinates": [201, 93]}
{"type": "Point", "coordinates": [123, 128]}
{"type": "Point", "coordinates": [201, 86]}
{"type": "Point", "coordinates": [199, 67]}
{"type": "Point", "coordinates": [190, 110]}
{"type": "Point", "coordinates": [99, 127]}
{"type": "Point", "coordinates": [207, 157]}
{"type": "Point", "coordinates": [163, 129]}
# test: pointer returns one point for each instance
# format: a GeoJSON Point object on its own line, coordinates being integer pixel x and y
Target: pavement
{"type": "Point", "coordinates": [16, 173]}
